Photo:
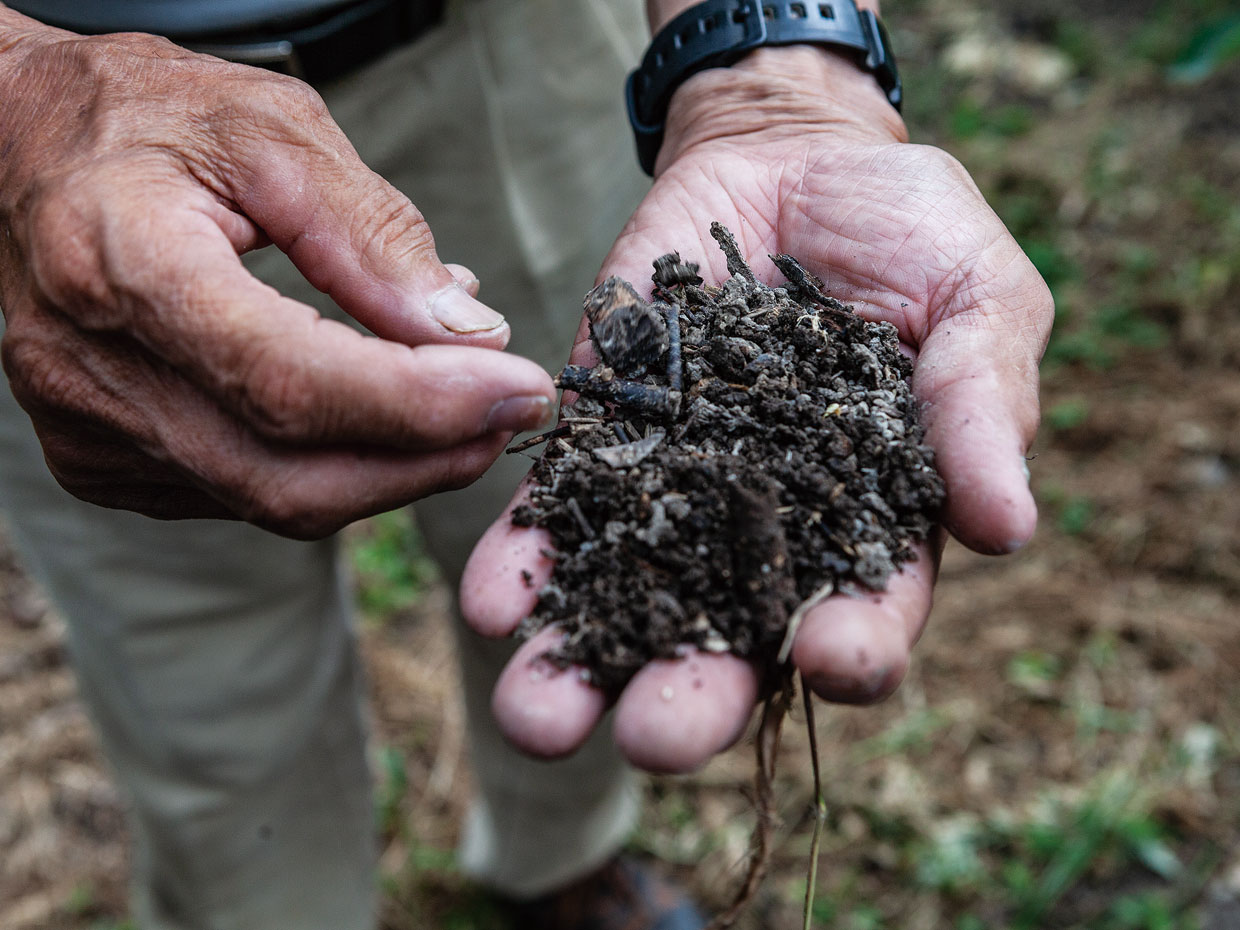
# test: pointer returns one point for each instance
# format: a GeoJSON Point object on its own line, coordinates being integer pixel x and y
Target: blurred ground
{"type": "Point", "coordinates": [1066, 750]}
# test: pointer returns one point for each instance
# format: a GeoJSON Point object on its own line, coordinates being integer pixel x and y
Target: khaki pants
{"type": "Point", "coordinates": [218, 661]}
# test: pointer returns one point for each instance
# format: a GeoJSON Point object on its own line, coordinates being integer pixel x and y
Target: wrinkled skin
{"type": "Point", "coordinates": [897, 230]}
{"type": "Point", "coordinates": [160, 375]}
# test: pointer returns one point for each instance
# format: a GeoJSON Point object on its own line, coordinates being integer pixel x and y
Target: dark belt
{"type": "Point", "coordinates": [324, 48]}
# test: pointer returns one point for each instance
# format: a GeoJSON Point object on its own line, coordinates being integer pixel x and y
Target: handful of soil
{"type": "Point", "coordinates": [738, 453]}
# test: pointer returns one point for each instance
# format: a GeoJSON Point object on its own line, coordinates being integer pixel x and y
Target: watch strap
{"type": "Point", "coordinates": [717, 33]}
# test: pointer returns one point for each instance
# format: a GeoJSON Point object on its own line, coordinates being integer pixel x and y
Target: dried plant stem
{"type": "Point", "coordinates": [767, 741]}
{"type": "Point", "coordinates": [820, 806]}
{"type": "Point", "coordinates": [794, 621]}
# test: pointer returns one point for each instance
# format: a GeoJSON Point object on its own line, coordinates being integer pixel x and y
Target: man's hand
{"type": "Point", "coordinates": [901, 233]}
{"type": "Point", "coordinates": [160, 375]}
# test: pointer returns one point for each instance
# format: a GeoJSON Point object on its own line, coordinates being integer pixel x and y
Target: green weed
{"type": "Point", "coordinates": [392, 783]}
{"type": "Point", "coordinates": [392, 568]}
{"type": "Point", "coordinates": [1181, 33]}
{"type": "Point", "coordinates": [1061, 850]}
{"type": "Point", "coordinates": [864, 917]}
{"type": "Point", "coordinates": [1034, 671]}
{"type": "Point", "coordinates": [913, 734]}
{"type": "Point", "coordinates": [80, 900]}
{"type": "Point", "coordinates": [1080, 44]}
{"type": "Point", "coordinates": [1146, 911]}
{"type": "Point", "coordinates": [969, 119]}
{"type": "Point", "coordinates": [1067, 414]}
{"type": "Point", "coordinates": [950, 859]}
{"type": "Point", "coordinates": [1076, 515]}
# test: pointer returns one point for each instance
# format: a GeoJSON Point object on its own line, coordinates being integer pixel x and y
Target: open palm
{"type": "Point", "coordinates": [901, 233]}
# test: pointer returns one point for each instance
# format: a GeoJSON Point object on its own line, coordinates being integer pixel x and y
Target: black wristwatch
{"type": "Point", "coordinates": [718, 33]}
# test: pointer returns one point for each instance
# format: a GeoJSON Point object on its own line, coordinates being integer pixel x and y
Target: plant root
{"type": "Point", "coordinates": [774, 710]}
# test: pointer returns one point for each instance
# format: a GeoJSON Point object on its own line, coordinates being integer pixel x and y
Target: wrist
{"type": "Point", "coordinates": [719, 68]}
{"type": "Point", "coordinates": [778, 93]}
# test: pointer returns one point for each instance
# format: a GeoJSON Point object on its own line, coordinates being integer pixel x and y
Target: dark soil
{"type": "Point", "coordinates": [738, 451]}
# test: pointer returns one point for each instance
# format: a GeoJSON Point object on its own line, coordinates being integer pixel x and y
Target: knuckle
{"type": "Point", "coordinates": [111, 66]}
{"type": "Point", "coordinates": [296, 99]}
{"type": "Point", "coordinates": [136, 44]}
{"type": "Point", "coordinates": [390, 227]}
{"type": "Point", "coordinates": [282, 108]}
{"type": "Point", "coordinates": [65, 263]}
{"type": "Point", "coordinates": [252, 107]}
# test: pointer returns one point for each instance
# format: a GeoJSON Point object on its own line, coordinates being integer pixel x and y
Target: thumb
{"type": "Point", "coordinates": [352, 234]}
{"type": "Point", "coordinates": [977, 375]}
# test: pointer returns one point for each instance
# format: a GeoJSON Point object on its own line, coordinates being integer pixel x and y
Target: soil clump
{"type": "Point", "coordinates": [739, 451]}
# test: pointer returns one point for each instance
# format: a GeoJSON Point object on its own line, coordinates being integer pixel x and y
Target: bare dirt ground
{"type": "Point", "coordinates": [1065, 752]}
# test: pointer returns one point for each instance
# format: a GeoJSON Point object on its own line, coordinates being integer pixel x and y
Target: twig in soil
{"type": "Point", "coordinates": [575, 509]}
{"type": "Point", "coordinates": [675, 368]}
{"type": "Point", "coordinates": [601, 384]}
{"type": "Point", "coordinates": [731, 251]}
{"type": "Point", "coordinates": [540, 438]}
{"type": "Point", "coordinates": [806, 283]}
{"type": "Point", "coordinates": [773, 712]}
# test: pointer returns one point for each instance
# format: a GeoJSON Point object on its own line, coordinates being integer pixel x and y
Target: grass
{"type": "Point", "coordinates": [391, 568]}
{"type": "Point", "coordinates": [1097, 857]}
{"type": "Point", "coordinates": [1192, 39]}
{"type": "Point", "coordinates": [1066, 414]}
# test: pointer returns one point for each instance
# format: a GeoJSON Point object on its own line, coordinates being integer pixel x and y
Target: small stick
{"type": "Point", "coordinates": [675, 368]}
{"type": "Point", "coordinates": [541, 437]}
{"type": "Point", "coordinates": [806, 284]}
{"type": "Point", "coordinates": [731, 251]}
{"type": "Point", "coordinates": [575, 509]}
{"type": "Point", "coordinates": [618, 429]}
{"type": "Point", "coordinates": [644, 398]}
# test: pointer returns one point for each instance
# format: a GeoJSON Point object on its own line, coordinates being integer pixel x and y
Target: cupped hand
{"type": "Point", "coordinates": [160, 375]}
{"type": "Point", "coordinates": [901, 233]}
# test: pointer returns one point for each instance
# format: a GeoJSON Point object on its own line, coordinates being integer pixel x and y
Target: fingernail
{"type": "Point", "coordinates": [517, 414]}
{"type": "Point", "coordinates": [1024, 468]}
{"type": "Point", "coordinates": [457, 311]}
